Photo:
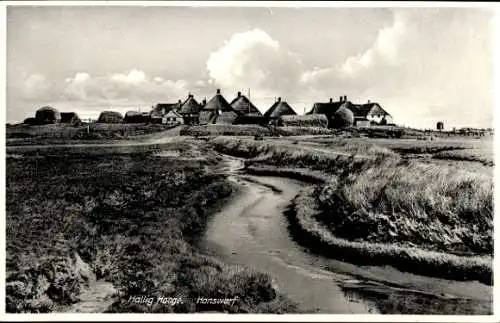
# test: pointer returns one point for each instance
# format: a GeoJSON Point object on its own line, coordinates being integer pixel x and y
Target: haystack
{"type": "Point", "coordinates": [312, 120]}
{"type": "Point", "coordinates": [47, 115]}
{"type": "Point", "coordinates": [70, 118]}
{"type": "Point", "coordinates": [110, 117]}
{"type": "Point", "coordinates": [343, 117]}
{"type": "Point", "coordinates": [137, 117]}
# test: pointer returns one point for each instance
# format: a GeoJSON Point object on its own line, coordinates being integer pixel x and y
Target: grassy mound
{"type": "Point", "coordinates": [225, 130]}
{"type": "Point", "coordinates": [311, 232]}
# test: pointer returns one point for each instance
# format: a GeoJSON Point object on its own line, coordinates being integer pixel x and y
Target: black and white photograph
{"type": "Point", "coordinates": [279, 158]}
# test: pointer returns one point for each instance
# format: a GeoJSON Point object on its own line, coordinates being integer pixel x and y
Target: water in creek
{"type": "Point", "coordinates": [252, 231]}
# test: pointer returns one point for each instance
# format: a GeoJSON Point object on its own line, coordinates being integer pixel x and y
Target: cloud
{"type": "Point", "coordinates": [134, 77]}
{"type": "Point", "coordinates": [368, 68]}
{"type": "Point", "coordinates": [133, 86]}
{"type": "Point", "coordinates": [254, 60]}
{"type": "Point", "coordinates": [36, 87]}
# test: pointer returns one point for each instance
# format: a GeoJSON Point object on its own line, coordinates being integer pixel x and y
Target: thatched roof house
{"type": "Point", "coordinates": [242, 105]}
{"type": "Point", "coordinates": [110, 117]}
{"type": "Point", "coordinates": [190, 110]}
{"type": "Point", "coordinates": [190, 106]}
{"type": "Point", "coordinates": [371, 112]}
{"type": "Point", "coordinates": [161, 109]}
{"type": "Point", "coordinates": [47, 115]}
{"type": "Point", "coordinates": [279, 109]}
{"type": "Point", "coordinates": [70, 117]}
{"type": "Point", "coordinates": [217, 111]}
{"type": "Point", "coordinates": [326, 108]}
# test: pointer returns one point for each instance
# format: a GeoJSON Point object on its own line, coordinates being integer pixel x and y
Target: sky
{"type": "Point", "coordinates": [422, 65]}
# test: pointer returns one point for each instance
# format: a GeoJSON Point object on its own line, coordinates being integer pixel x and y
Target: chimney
{"type": "Point", "coordinates": [239, 93]}
{"type": "Point", "coordinates": [279, 99]}
{"type": "Point", "coordinates": [179, 101]}
{"type": "Point", "coordinates": [218, 91]}
{"type": "Point", "coordinates": [345, 98]}
{"type": "Point", "coordinates": [204, 101]}
{"type": "Point", "coordinates": [331, 100]}
{"type": "Point", "coordinates": [368, 101]}
{"type": "Point", "coordinates": [340, 98]}
{"type": "Point", "coordinates": [190, 95]}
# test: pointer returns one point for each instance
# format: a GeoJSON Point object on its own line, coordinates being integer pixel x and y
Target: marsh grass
{"type": "Point", "coordinates": [383, 208]}
{"type": "Point", "coordinates": [318, 236]}
{"type": "Point", "coordinates": [135, 222]}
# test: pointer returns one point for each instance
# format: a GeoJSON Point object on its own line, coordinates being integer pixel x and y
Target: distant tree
{"type": "Point", "coordinates": [440, 126]}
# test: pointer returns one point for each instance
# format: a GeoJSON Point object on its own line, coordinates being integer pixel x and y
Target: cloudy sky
{"type": "Point", "coordinates": [422, 65]}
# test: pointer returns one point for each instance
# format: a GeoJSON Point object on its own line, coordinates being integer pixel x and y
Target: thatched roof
{"type": "Point", "coordinates": [218, 103]}
{"type": "Point", "coordinates": [160, 109]}
{"type": "Point", "coordinates": [278, 109]}
{"type": "Point", "coordinates": [242, 105]}
{"type": "Point", "coordinates": [110, 117]}
{"type": "Point", "coordinates": [359, 110]}
{"type": "Point", "coordinates": [69, 117]}
{"type": "Point", "coordinates": [190, 106]}
{"type": "Point", "coordinates": [362, 110]}
{"type": "Point", "coordinates": [132, 113]}
{"type": "Point", "coordinates": [173, 113]}
{"type": "Point", "coordinates": [328, 108]}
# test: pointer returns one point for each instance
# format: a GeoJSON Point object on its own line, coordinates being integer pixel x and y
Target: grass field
{"type": "Point", "coordinates": [25, 134]}
{"type": "Point", "coordinates": [375, 195]}
{"type": "Point", "coordinates": [130, 217]}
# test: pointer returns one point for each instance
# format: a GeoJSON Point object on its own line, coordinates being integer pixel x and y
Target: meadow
{"type": "Point", "coordinates": [21, 134]}
{"type": "Point", "coordinates": [126, 216]}
{"type": "Point", "coordinates": [404, 203]}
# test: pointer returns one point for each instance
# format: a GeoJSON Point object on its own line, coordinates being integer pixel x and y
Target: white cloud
{"type": "Point", "coordinates": [254, 60]}
{"type": "Point", "coordinates": [133, 77]}
{"type": "Point", "coordinates": [36, 87]}
{"type": "Point", "coordinates": [133, 86]}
